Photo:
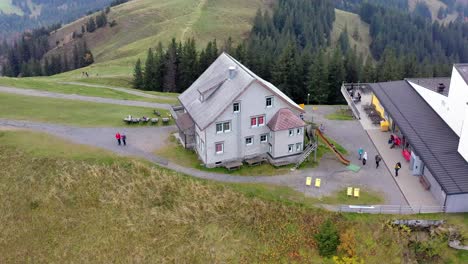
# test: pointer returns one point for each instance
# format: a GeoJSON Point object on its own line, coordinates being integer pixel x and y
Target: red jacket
{"type": "Point", "coordinates": [117, 136]}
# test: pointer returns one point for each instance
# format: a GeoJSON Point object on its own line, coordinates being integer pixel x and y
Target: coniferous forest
{"type": "Point", "coordinates": [290, 47]}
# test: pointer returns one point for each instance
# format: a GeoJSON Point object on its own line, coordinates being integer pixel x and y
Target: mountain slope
{"type": "Point", "coordinates": [19, 15]}
{"type": "Point", "coordinates": [353, 23]}
{"type": "Point", "coordinates": [142, 23]}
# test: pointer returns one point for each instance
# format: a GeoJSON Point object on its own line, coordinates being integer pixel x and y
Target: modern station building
{"type": "Point", "coordinates": [430, 116]}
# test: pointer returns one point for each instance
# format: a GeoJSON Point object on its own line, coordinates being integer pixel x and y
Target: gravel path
{"type": "Point", "coordinates": [31, 92]}
{"type": "Point", "coordinates": [142, 142]}
{"type": "Point", "coordinates": [121, 89]}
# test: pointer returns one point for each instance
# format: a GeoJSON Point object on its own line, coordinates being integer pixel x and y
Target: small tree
{"type": "Point", "coordinates": [138, 75]}
{"type": "Point", "coordinates": [327, 239]}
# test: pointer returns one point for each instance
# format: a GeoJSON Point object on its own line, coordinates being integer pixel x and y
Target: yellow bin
{"type": "Point", "coordinates": [384, 125]}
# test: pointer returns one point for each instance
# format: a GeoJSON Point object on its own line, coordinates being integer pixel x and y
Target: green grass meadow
{"type": "Point", "coordinates": [69, 112]}
{"type": "Point", "coordinates": [68, 203]}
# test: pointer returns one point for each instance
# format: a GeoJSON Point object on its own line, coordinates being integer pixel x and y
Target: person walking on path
{"type": "Point", "coordinates": [397, 168]}
{"type": "Point", "coordinates": [377, 160]}
{"type": "Point", "coordinates": [360, 152]}
{"type": "Point", "coordinates": [124, 139]}
{"type": "Point", "coordinates": [118, 137]}
{"type": "Point", "coordinates": [364, 158]}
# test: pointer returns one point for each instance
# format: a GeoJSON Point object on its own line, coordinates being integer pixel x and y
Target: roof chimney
{"type": "Point", "coordinates": [441, 88]}
{"type": "Point", "coordinates": [232, 72]}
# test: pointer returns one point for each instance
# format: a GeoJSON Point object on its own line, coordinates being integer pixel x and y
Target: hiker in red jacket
{"type": "Point", "coordinates": [117, 136]}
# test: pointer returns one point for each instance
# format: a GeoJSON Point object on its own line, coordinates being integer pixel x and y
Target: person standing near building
{"type": "Point", "coordinates": [124, 139]}
{"type": "Point", "coordinates": [360, 152]}
{"type": "Point", "coordinates": [377, 160]}
{"type": "Point", "coordinates": [118, 137]}
{"type": "Point", "coordinates": [397, 168]}
{"type": "Point", "coordinates": [364, 158]}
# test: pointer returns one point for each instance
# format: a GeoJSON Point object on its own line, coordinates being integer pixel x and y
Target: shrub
{"type": "Point", "coordinates": [327, 239]}
{"type": "Point", "coordinates": [348, 243]}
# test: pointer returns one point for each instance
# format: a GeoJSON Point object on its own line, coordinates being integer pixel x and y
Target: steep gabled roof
{"type": "Point", "coordinates": [285, 119]}
{"type": "Point", "coordinates": [219, 91]}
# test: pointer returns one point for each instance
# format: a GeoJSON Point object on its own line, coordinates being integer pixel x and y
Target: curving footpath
{"type": "Point", "coordinates": [121, 89]}
{"type": "Point", "coordinates": [39, 93]}
{"type": "Point", "coordinates": [143, 141]}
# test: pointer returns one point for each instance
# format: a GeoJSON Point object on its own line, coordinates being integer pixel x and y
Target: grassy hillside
{"type": "Point", "coordinates": [8, 8]}
{"type": "Point", "coordinates": [434, 6]}
{"type": "Point", "coordinates": [353, 23]}
{"type": "Point", "coordinates": [142, 23]}
{"type": "Point", "coordinates": [68, 203]}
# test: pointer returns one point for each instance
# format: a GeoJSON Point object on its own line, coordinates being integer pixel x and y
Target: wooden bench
{"type": "Point", "coordinates": [255, 161]}
{"type": "Point", "coordinates": [233, 165]}
{"type": "Point", "coordinates": [424, 182]}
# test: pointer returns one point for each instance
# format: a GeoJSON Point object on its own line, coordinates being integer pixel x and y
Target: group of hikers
{"type": "Point", "coordinates": [121, 139]}
{"type": "Point", "coordinates": [363, 156]}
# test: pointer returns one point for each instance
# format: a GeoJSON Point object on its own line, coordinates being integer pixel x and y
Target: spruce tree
{"type": "Point", "coordinates": [188, 65]}
{"type": "Point", "coordinates": [317, 84]}
{"type": "Point", "coordinates": [149, 74]}
{"type": "Point", "coordinates": [138, 75]}
{"type": "Point", "coordinates": [159, 67]}
{"type": "Point", "coordinates": [91, 25]}
{"type": "Point", "coordinates": [336, 76]}
{"type": "Point", "coordinates": [171, 70]}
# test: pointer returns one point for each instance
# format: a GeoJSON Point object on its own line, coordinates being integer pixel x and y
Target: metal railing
{"type": "Point", "coordinates": [391, 209]}
{"type": "Point", "coordinates": [350, 102]}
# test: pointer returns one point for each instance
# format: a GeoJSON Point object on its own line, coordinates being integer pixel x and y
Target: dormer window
{"type": "Point", "coordinates": [201, 98]}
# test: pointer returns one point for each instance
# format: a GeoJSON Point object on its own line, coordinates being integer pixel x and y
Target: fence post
{"type": "Point", "coordinates": [420, 208]}
{"type": "Point", "coordinates": [400, 209]}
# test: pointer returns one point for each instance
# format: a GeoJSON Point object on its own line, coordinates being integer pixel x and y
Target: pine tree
{"type": "Point", "coordinates": [286, 74]}
{"type": "Point", "coordinates": [171, 70]}
{"type": "Point", "coordinates": [91, 25]}
{"type": "Point", "coordinates": [149, 74]}
{"type": "Point", "coordinates": [317, 84]}
{"type": "Point", "coordinates": [368, 74]}
{"type": "Point", "coordinates": [352, 66]}
{"type": "Point", "coordinates": [188, 65]}
{"type": "Point", "coordinates": [343, 41]}
{"type": "Point", "coordinates": [228, 46]}
{"type": "Point", "coordinates": [138, 76]}
{"type": "Point", "coordinates": [160, 62]}
{"type": "Point", "coordinates": [336, 76]}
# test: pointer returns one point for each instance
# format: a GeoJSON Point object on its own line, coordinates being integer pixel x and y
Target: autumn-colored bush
{"type": "Point", "coordinates": [348, 243]}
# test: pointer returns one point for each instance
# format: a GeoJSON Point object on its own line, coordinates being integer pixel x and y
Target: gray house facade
{"type": "Point", "coordinates": [230, 110]}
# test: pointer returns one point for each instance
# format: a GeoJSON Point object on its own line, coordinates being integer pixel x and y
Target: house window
{"type": "Point", "coordinates": [226, 127]}
{"type": "Point", "coordinates": [261, 120]}
{"type": "Point", "coordinates": [236, 107]}
{"type": "Point", "coordinates": [249, 141]}
{"type": "Point", "coordinates": [291, 132]}
{"type": "Point", "coordinates": [219, 148]}
{"type": "Point", "coordinates": [269, 102]}
{"type": "Point", "coordinates": [263, 138]}
{"type": "Point", "coordinates": [290, 148]}
{"type": "Point", "coordinates": [298, 146]}
{"type": "Point", "coordinates": [257, 121]}
{"type": "Point", "coordinates": [219, 128]}
{"type": "Point", "coordinates": [270, 149]}
{"type": "Point", "coordinates": [223, 127]}
{"type": "Point", "coordinates": [197, 137]}
{"type": "Point", "coordinates": [253, 121]}
{"type": "Point", "coordinates": [202, 146]}
{"type": "Point", "coordinates": [298, 131]}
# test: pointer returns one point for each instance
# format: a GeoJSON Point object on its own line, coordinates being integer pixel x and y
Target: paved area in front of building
{"type": "Point", "coordinates": [409, 184]}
